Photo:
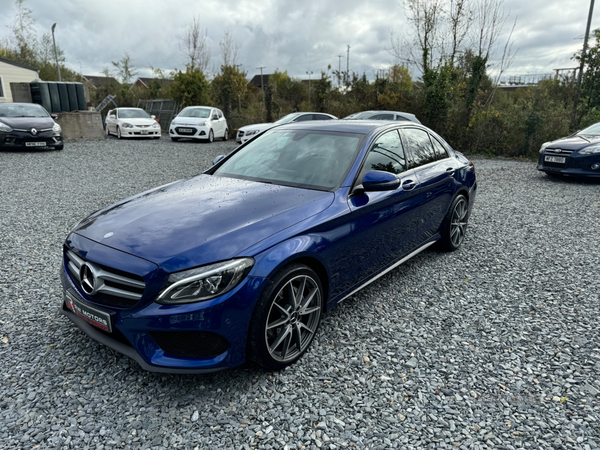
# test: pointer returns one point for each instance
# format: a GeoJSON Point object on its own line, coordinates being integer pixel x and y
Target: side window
{"type": "Point", "coordinates": [304, 118]}
{"type": "Point", "coordinates": [116, 113]}
{"type": "Point", "coordinates": [321, 117]}
{"type": "Point", "coordinates": [400, 118]}
{"type": "Point", "coordinates": [109, 113]}
{"type": "Point", "coordinates": [440, 151]}
{"type": "Point", "coordinates": [419, 143]}
{"type": "Point", "coordinates": [382, 117]}
{"type": "Point", "coordinates": [220, 114]}
{"type": "Point", "coordinates": [386, 154]}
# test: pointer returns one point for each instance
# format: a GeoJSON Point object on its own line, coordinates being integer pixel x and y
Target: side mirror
{"type": "Point", "coordinates": [112, 116]}
{"type": "Point", "coordinates": [218, 159]}
{"type": "Point", "coordinates": [377, 180]}
{"type": "Point", "coordinates": [54, 116]}
{"type": "Point", "coordinates": [153, 116]}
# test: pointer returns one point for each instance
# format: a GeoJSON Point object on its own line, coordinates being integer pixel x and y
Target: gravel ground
{"type": "Point", "coordinates": [493, 346]}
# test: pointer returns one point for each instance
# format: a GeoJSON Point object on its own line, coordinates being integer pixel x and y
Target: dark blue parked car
{"type": "Point", "coordinates": [240, 262]}
{"type": "Point", "coordinates": [576, 155]}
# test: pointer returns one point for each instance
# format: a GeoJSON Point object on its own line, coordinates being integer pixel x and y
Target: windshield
{"type": "Point", "coordinates": [288, 118]}
{"type": "Point", "coordinates": [133, 114]}
{"type": "Point", "coordinates": [200, 113]}
{"type": "Point", "coordinates": [593, 130]}
{"type": "Point", "coordinates": [30, 110]}
{"type": "Point", "coordinates": [360, 115]}
{"type": "Point", "coordinates": [302, 158]}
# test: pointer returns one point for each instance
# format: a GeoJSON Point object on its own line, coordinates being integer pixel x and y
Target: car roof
{"type": "Point", "coordinates": [348, 126]}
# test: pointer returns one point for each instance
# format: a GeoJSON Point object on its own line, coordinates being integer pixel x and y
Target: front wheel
{"type": "Point", "coordinates": [118, 132]}
{"type": "Point", "coordinates": [455, 224]}
{"type": "Point", "coordinates": [286, 317]}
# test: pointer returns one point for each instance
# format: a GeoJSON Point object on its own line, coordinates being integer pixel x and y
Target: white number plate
{"type": "Point", "coordinates": [185, 130]}
{"type": "Point", "coordinates": [35, 144]}
{"type": "Point", "coordinates": [144, 131]}
{"type": "Point", "coordinates": [555, 159]}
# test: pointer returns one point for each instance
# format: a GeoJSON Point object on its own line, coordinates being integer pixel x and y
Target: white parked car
{"type": "Point", "coordinates": [130, 123]}
{"type": "Point", "coordinates": [199, 122]}
{"type": "Point", "coordinates": [249, 131]}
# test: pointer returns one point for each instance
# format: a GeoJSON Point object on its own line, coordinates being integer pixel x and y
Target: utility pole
{"type": "Point", "coordinates": [262, 86]}
{"type": "Point", "coordinates": [585, 41]}
{"type": "Point", "coordinates": [348, 64]}
{"type": "Point", "coordinates": [309, 73]}
{"type": "Point", "coordinates": [339, 68]}
{"type": "Point", "coordinates": [55, 52]}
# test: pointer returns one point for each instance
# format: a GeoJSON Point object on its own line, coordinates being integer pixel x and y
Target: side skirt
{"type": "Point", "coordinates": [392, 267]}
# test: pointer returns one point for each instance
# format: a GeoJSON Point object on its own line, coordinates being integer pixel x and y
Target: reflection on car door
{"type": "Point", "coordinates": [435, 176]}
{"type": "Point", "coordinates": [222, 123]}
{"type": "Point", "coordinates": [384, 224]}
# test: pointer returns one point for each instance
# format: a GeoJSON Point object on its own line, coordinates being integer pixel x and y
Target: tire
{"type": "Point", "coordinates": [226, 135]}
{"type": "Point", "coordinates": [455, 224]}
{"type": "Point", "coordinates": [282, 328]}
{"type": "Point", "coordinates": [211, 137]}
{"type": "Point", "coordinates": [119, 133]}
{"type": "Point", "coordinates": [106, 132]}
{"type": "Point", "coordinates": [174, 139]}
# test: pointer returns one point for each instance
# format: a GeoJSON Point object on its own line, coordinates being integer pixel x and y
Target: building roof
{"type": "Point", "coordinates": [23, 66]}
{"type": "Point", "coordinates": [100, 81]}
{"type": "Point", "coordinates": [147, 81]}
{"type": "Point", "coordinates": [256, 81]}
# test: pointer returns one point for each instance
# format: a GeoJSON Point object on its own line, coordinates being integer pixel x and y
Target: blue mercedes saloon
{"type": "Point", "coordinates": [240, 262]}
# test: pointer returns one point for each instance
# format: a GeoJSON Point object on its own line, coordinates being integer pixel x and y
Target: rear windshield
{"type": "Point", "coordinates": [30, 110]}
{"type": "Point", "coordinates": [302, 158]}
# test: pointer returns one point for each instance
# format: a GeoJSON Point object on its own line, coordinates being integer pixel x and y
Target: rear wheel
{"type": "Point", "coordinates": [211, 136]}
{"type": "Point", "coordinates": [286, 317]}
{"type": "Point", "coordinates": [455, 224]}
{"type": "Point", "coordinates": [226, 135]}
{"type": "Point", "coordinates": [106, 132]}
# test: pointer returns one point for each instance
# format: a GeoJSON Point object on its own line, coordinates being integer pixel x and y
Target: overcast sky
{"type": "Point", "coordinates": [297, 36]}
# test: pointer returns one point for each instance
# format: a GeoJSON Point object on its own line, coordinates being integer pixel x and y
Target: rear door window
{"type": "Point", "coordinates": [304, 118]}
{"type": "Point", "coordinates": [382, 117]}
{"type": "Point", "coordinates": [440, 150]}
{"type": "Point", "coordinates": [420, 145]}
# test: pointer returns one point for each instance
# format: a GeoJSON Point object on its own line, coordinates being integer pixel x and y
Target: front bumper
{"type": "Point", "coordinates": [140, 132]}
{"type": "Point", "coordinates": [189, 131]}
{"type": "Point", "coordinates": [20, 140]}
{"type": "Point", "coordinates": [137, 331]}
{"type": "Point", "coordinates": [575, 165]}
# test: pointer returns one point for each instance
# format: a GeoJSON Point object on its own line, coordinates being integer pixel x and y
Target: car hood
{"type": "Point", "coordinates": [25, 123]}
{"type": "Point", "coordinates": [258, 126]}
{"type": "Point", "coordinates": [139, 121]}
{"type": "Point", "coordinates": [201, 220]}
{"type": "Point", "coordinates": [575, 142]}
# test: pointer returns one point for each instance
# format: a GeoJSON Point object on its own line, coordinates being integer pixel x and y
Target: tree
{"type": "Point", "coordinates": [590, 85]}
{"type": "Point", "coordinates": [24, 33]}
{"type": "Point", "coordinates": [229, 49]}
{"type": "Point", "coordinates": [229, 87]}
{"type": "Point", "coordinates": [194, 45]}
{"type": "Point", "coordinates": [190, 88]}
{"type": "Point", "coordinates": [125, 68]}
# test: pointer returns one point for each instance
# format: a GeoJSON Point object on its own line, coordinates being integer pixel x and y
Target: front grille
{"type": "Point", "coordinates": [190, 133]}
{"type": "Point", "coordinates": [558, 152]}
{"type": "Point", "coordinates": [113, 287]}
{"type": "Point", "coordinates": [195, 344]}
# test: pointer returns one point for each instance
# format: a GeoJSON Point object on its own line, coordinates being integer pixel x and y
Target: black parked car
{"type": "Point", "coordinates": [575, 155]}
{"type": "Point", "coordinates": [28, 126]}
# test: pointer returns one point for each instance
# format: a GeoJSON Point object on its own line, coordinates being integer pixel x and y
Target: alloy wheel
{"type": "Point", "coordinates": [458, 224]}
{"type": "Point", "coordinates": [293, 318]}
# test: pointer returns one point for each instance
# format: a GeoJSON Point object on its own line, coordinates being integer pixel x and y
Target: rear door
{"type": "Point", "coordinates": [434, 173]}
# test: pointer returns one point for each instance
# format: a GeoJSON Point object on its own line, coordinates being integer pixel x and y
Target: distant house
{"type": "Point", "coordinates": [109, 84]}
{"type": "Point", "coordinates": [256, 80]}
{"type": "Point", "coordinates": [13, 72]}
{"type": "Point", "coordinates": [145, 82]}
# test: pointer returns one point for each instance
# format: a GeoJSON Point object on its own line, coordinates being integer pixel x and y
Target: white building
{"type": "Point", "coordinates": [12, 72]}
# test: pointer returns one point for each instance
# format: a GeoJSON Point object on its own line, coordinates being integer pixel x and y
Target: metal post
{"type": "Point", "coordinates": [348, 64]}
{"type": "Point", "coordinates": [339, 68]}
{"type": "Point", "coordinates": [309, 73]}
{"type": "Point", "coordinates": [262, 86]}
{"type": "Point", "coordinates": [585, 41]}
{"type": "Point", "coordinates": [56, 53]}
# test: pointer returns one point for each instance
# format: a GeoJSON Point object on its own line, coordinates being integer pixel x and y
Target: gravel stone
{"type": "Point", "coordinates": [501, 335]}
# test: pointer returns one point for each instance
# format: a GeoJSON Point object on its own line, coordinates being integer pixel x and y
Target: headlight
{"type": "Point", "coordinates": [544, 145]}
{"type": "Point", "coordinates": [251, 132]}
{"type": "Point", "coordinates": [127, 125]}
{"type": "Point", "coordinates": [155, 125]}
{"type": "Point", "coordinates": [591, 150]}
{"type": "Point", "coordinates": [201, 124]}
{"type": "Point", "coordinates": [5, 128]}
{"type": "Point", "coordinates": [204, 283]}
{"type": "Point", "coordinates": [56, 128]}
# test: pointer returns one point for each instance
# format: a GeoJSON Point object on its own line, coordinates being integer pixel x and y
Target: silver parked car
{"type": "Point", "coordinates": [383, 115]}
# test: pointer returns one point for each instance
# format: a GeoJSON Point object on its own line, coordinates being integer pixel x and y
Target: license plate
{"type": "Point", "coordinates": [35, 144]}
{"type": "Point", "coordinates": [144, 131]}
{"type": "Point", "coordinates": [555, 159]}
{"type": "Point", "coordinates": [186, 130]}
{"type": "Point", "coordinates": [94, 317]}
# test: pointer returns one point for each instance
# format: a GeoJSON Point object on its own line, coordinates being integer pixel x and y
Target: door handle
{"type": "Point", "coordinates": [450, 170]}
{"type": "Point", "coordinates": [408, 185]}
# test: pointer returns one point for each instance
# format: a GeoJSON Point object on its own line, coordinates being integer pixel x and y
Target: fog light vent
{"type": "Point", "coordinates": [595, 166]}
{"type": "Point", "coordinates": [198, 344]}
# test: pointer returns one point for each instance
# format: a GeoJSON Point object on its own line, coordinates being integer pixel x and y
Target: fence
{"type": "Point", "coordinates": [163, 109]}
